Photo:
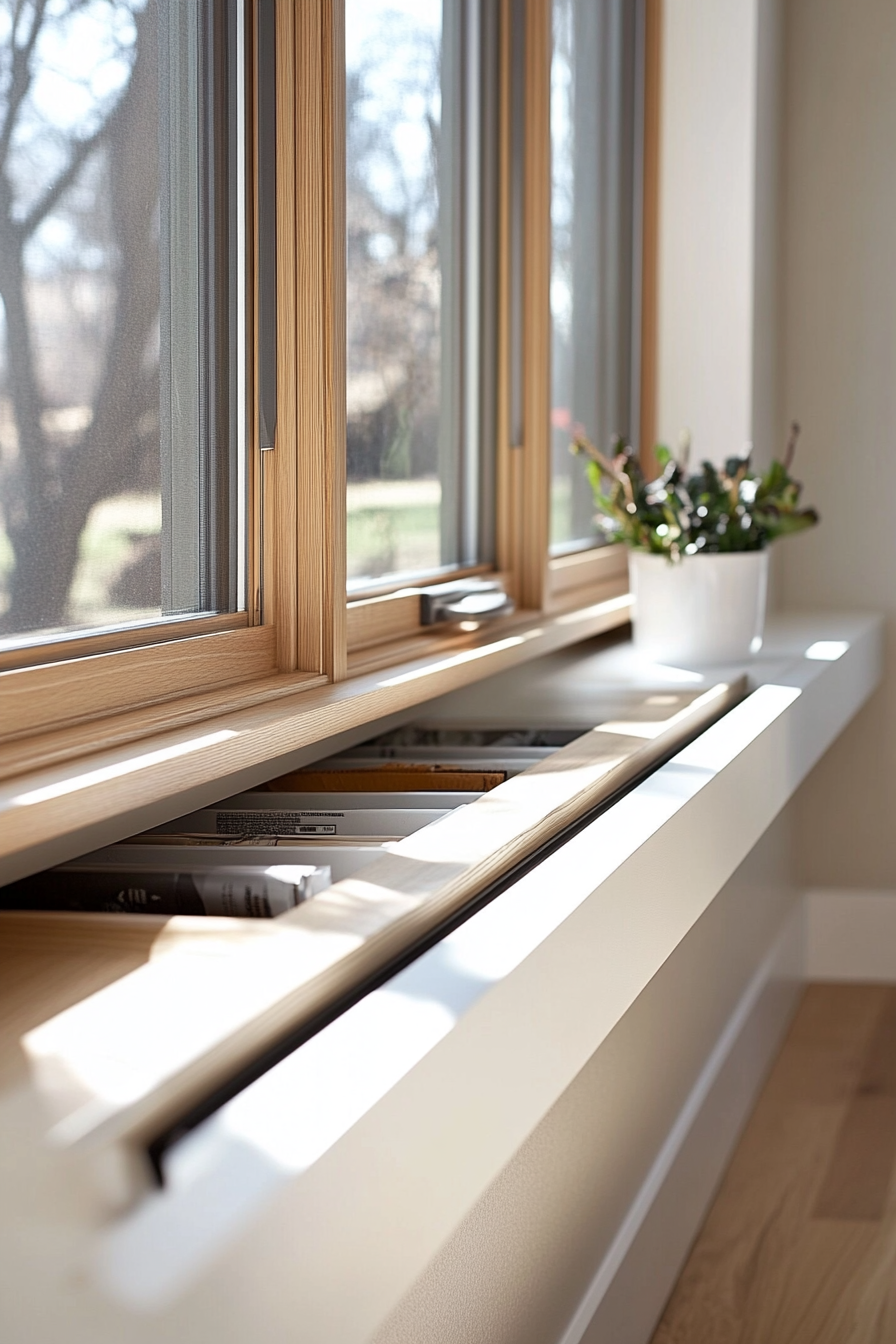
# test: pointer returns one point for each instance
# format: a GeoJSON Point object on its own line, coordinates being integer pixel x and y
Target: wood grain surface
{"type": "Point", "coordinates": [110, 641]}
{"type": "Point", "coordinates": [275, 717]}
{"type": "Point", "coordinates": [535, 466]}
{"type": "Point", "coordinates": [599, 565]}
{"type": "Point", "coordinates": [279, 555]}
{"type": "Point", "coordinates": [393, 616]}
{"type": "Point", "coordinates": [800, 1244]}
{"type": "Point", "coordinates": [83, 737]}
{"type": "Point", "coordinates": [317, 513]}
{"type": "Point", "coordinates": [506, 505]}
{"type": "Point", "coordinates": [36, 698]}
{"type": "Point", "coordinates": [374, 620]}
{"type": "Point", "coordinates": [50, 961]}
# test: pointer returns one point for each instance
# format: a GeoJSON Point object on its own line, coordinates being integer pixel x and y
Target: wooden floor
{"type": "Point", "coordinates": [800, 1244]}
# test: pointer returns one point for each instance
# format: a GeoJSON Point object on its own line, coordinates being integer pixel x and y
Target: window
{"type": "Point", "coordinates": [420, 215]}
{"type": "Point", "coordinates": [119, 238]}
{"type": "Point", "coordinates": [595, 237]}
{"type": "Point", "coordinates": [289, 293]}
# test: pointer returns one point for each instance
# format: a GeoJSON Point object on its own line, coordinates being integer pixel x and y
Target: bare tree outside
{"type": "Point", "coordinates": [79, 283]}
{"type": "Point", "coordinates": [393, 122]}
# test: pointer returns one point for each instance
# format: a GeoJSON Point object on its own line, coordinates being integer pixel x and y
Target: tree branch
{"type": "Point", "coordinates": [80, 153]}
{"type": "Point", "coordinates": [20, 78]}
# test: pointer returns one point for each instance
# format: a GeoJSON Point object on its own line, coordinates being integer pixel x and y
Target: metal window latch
{"type": "Point", "coordinates": [464, 600]}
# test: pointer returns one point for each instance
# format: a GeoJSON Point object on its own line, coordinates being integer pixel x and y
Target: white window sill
{"type": "Point", "coordinates": [381, 1134]}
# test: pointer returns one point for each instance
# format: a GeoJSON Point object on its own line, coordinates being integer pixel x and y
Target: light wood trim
{"type": "Point", "coordinates": [68, 647]}
{"type": "Point", "coordinates": [394, 585]}
{"type": "Point", "coordinates": [36, 698]}
{"type": "Point", "coordinates": [49, 961]}
{"type": "Point", "coordinates": [70, 743]}
{"type": "Point", "coordinates": [279, 487]}
{"type": "Point", "coordinates": [333, 338]}
{"type": "Point", "coordinates": [396, 615]}
{"type": "Point", "coordinates": [432, 642]}
{"type": "Point", "coordinates": [605, 590]}
{"type": "Point", "coordinates": [602, 570]}
{"type": "Point", "coordinates": [68, 799]}
{"type": "Point", "coordinates": [393, 613]}
{"type": "Point", "coordinates": [374, 619]}
{"type": "Point", "coordinates": [312, 322]}
{"type": "Point", "coordinates": [507, 503]}
{"type": "Point", "coordinates": [278, 983]}
{"type": "Point", "coordinates": [150, 675]}
{"type": "Point", "coordinates": [304, 503]}
{"type": "Point", "coordinates": [392, 652]}
{"type": "Point", "coordinates": [535, 465]}
{"type": "Point", "coordinates": [650, 231]}
{"type": "Point", "coordinates": [594, 565]}
{"type": "Point", "coordinates": [387, 612]}
{"type": "Point", "coordinates": [254, 466]}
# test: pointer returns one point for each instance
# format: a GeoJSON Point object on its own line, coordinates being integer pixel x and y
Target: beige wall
{"type": "Point", "coordinates": [707, 205]}
{"type": "Point", "coordinates": [766, 384]}
{"type": "Point", "coordinates": [839, 379]}
{"type": "Point", "coordinates": [718, 203]}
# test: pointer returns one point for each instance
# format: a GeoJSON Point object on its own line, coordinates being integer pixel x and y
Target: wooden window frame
{"type": "Point", "coordinates": [62, 698]}
{"type": "Point", "coordinates": [83, 694]}
{"type": "Point", "coordinates": [48, 689]}
{"type": "Point", "coordinates": [386, 624]}
{"type": "Point", "coordinates": [380, 622]}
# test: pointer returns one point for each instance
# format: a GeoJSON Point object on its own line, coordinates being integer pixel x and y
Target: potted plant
{"type": "Point", "coordinates": [698, 557]}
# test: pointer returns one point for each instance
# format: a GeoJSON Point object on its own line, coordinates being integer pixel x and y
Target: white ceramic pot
{"type": "Point", "coordinates": [703, 609]}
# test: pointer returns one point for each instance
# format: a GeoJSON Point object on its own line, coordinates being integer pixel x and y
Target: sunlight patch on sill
{"type": "Point", "coordinates": [598, 609]}
{"type": "Point", "coordinates": [827, 650]}
{"type": "Point", "coordinates": [127, 767]}
{"type": "Point", "coordinates": [458, 659]}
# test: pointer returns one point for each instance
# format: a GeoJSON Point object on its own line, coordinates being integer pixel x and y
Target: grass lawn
{"type": "Point", "coordinates": [393, 527]}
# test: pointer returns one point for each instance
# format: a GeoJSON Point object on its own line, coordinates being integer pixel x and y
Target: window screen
{"type": "Point", "coordinates": [595, 185]}
{"type": "Point", "coordinates": [120, 228]}
{"type": "Point", "coordinates": [421, 88]}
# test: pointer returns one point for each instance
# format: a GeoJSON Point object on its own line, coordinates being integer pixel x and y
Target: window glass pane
{"type": "Point", "coordinates": [593, 258]}
{"type": "Point", "coordinates": [415, 246]}
{"type": "Point", "coordinates": [117, 227]}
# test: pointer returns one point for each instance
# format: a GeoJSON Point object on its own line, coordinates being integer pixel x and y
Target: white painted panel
{"type": "Point", "coordinates": [629, 1291]}
{"type": "Point", "coordinates": [519, 1002]}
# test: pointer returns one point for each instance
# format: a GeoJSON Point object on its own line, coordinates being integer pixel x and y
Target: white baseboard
{"type": "Point", "coordinates": [851, 935]}
{"type": "Point", "coordinates": [628, 1292]}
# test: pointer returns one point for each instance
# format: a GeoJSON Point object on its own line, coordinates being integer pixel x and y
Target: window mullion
{"type": "Point", "coordinates": [304, 475]}
{"type": "Point", "coordinates": [536, 351]}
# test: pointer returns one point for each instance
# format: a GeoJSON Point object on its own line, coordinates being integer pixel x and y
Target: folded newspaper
{"type": "Point", "coordinates": [250, 892]}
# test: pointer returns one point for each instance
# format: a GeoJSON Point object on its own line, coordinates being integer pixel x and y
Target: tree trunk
{"type": "Point", "coordinates": [49, 493]}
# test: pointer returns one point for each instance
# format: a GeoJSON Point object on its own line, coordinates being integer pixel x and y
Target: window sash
{"type": "Point", "coordinates": [462, 398]}
{"type": "Point", "coordinates": [297, 519]}
{"type": "Point", "coordinates": [596, 243]}
{"type": "Point", "coordinates": [201, 565]}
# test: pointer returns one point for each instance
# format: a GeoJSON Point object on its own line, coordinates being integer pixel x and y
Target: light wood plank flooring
{"type": "Point", "coordinates": [800, 1244]}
